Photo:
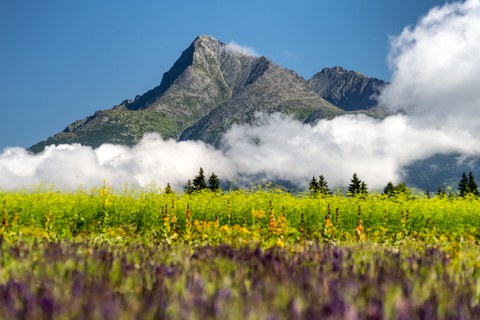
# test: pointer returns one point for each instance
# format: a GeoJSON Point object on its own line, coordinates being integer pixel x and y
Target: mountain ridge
{"type": "Point", "coordinates": [349, 90]}
{"type": "Point", "coordinates": [210, 87]}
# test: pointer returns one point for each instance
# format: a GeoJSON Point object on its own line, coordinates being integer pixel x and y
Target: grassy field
{"type": "Point", "coordinates": [238, 255]}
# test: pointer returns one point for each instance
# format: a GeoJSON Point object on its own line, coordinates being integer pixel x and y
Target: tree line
{"type": "Point", "coordinates": [357, 187]}
{"type": "Point", "coordinates": [200, 183]}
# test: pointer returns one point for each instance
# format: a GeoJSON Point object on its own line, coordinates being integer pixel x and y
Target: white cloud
{"type": "Point", "coordinates": [235, 47]}
{"type": "Point", "coordinates": [377, 150]}
{"type": "Point", "coordinates": [436, 68]}
{"type": "Point", "coordinates": [152, 160]}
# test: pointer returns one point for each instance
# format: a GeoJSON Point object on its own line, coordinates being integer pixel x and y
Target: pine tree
{"type": "Point", "coordinates": [355, 186]}
{"type": "Point", "coordinates": [213, 182]}
{"type": "Point", "coordinates": [199, 182]}
{"type": "Point", "coordinates": [402, 189]}
{"type": "Point", "coordinates": [363, 188]}
{"type": "Point", "coordinates": [389, 190]}
{"type": "Point", "coordinates": [323, 185]}
{"type": "Point", "coordinates": [188, 189]}
{"type": "Point", "coordinates": [313, 186]}
{"type": "Point", "coordinates": [463, 186]}
{"type": "Point", "coordinates": [392, 191]}
{"type": "Point", "coordinates": [472, 185]}
{"type": "Point", "coordinates": [168, 189]}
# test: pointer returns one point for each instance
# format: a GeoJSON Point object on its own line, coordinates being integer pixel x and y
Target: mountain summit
{"type": "Point", "coordinates": [348, 90]}
{"type": "Point", "coordinates": [209, 88]}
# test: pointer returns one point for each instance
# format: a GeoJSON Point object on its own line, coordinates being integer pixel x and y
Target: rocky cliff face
{"type": "Point", "coordinates": [348, 90]}
{"type": "Point", "coordinates": [213, 86]}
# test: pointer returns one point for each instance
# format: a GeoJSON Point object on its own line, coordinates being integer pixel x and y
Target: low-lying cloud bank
{"type": "Point", "coordinates": [276, 148]}
{"type": "Point", "coordinates": [436, 72]}
{"type": "Point", "coordinates": [152, 160]}
{"type": "Point", "coordinates": [378, 150]}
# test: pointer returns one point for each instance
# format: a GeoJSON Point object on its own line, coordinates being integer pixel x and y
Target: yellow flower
{"type": "Point", "coordinates": [258, 214]}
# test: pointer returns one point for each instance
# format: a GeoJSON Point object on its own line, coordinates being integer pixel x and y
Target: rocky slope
{"type": "Point", "coordinates": [348, 90]}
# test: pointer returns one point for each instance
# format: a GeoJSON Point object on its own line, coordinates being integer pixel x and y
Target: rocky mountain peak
{"type": "Point", "coordinates": [205, 38]}
{"type": "Point", "coordinates": [349, 90]}
{"type": "Point", "coordinates": [206, 43]}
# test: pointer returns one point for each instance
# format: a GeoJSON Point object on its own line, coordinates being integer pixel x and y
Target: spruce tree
{"type": "Point", "coordinates": [402, 189]}
{"type": "Point", "coordinates": [463, 187]}
{"type": "Point", "coordinates": [389, 190]}
{"type": "Point", "coordinates": [213, 182]}
{"type": "Point", "coordinates": [168, 189]}
{"type": "Point", "coordinates": [323, 185]}
{"type": "Point", "coordinates": [472, 185]}
{"type": "Point", "coordinates": [355, 186]}
{"type": "Point", "coordinates": [392, 191]}
{"type": "Point", "coordinates": [363, 188]}
{"type": "Point", "coordinates": [199, 182]}
{"type": "Point", "coordinates": [313, 186]}
{"type": "Point", "coordinates": [188, 189]}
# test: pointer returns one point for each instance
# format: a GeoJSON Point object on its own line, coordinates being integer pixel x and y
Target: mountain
{"type": "Point", "coordinates": [211, 86]}
{"type": "Point", "coordinates": [268, 88]}
{"type": "Point", "coordinates": [348, 90]}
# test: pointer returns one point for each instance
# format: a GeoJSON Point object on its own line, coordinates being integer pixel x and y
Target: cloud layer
{"type": "Point", "coordinates": [377, 150]}
{"type": "Point", "coordinates": [152, 160]}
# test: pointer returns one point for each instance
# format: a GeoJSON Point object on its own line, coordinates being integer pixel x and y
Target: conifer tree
{"type": "Point", "coordinates": [213, 182]}
{"type": "Point", "coordinates": [168, 189]}
{"type": "Point", "coordinates": [392, 191]}
{"type": "Point", "coordinates": [389, 190]}
{"type": "Point", "coordinates": [188, 189]}
{"type": "Point", "coordinates": [355, 186]}
{"type": "Point", "coordinates": [402, 189]}
{"type": "Point", "coordinates": [472, 185]}
{"type": "Point", "coordinates": [199, 182]}
{"type": "Point", "coordinates": [363, 188]}
{"type": "Point", "coordinates": [323, 185]}
{"type": "Point", "coordinates": [463, 186]}
{"type": "Point", "coordinates": [313, 186]}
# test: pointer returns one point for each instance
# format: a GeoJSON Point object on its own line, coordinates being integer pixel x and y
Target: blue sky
{"type": "Point", "coordinates": [62, 60]}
